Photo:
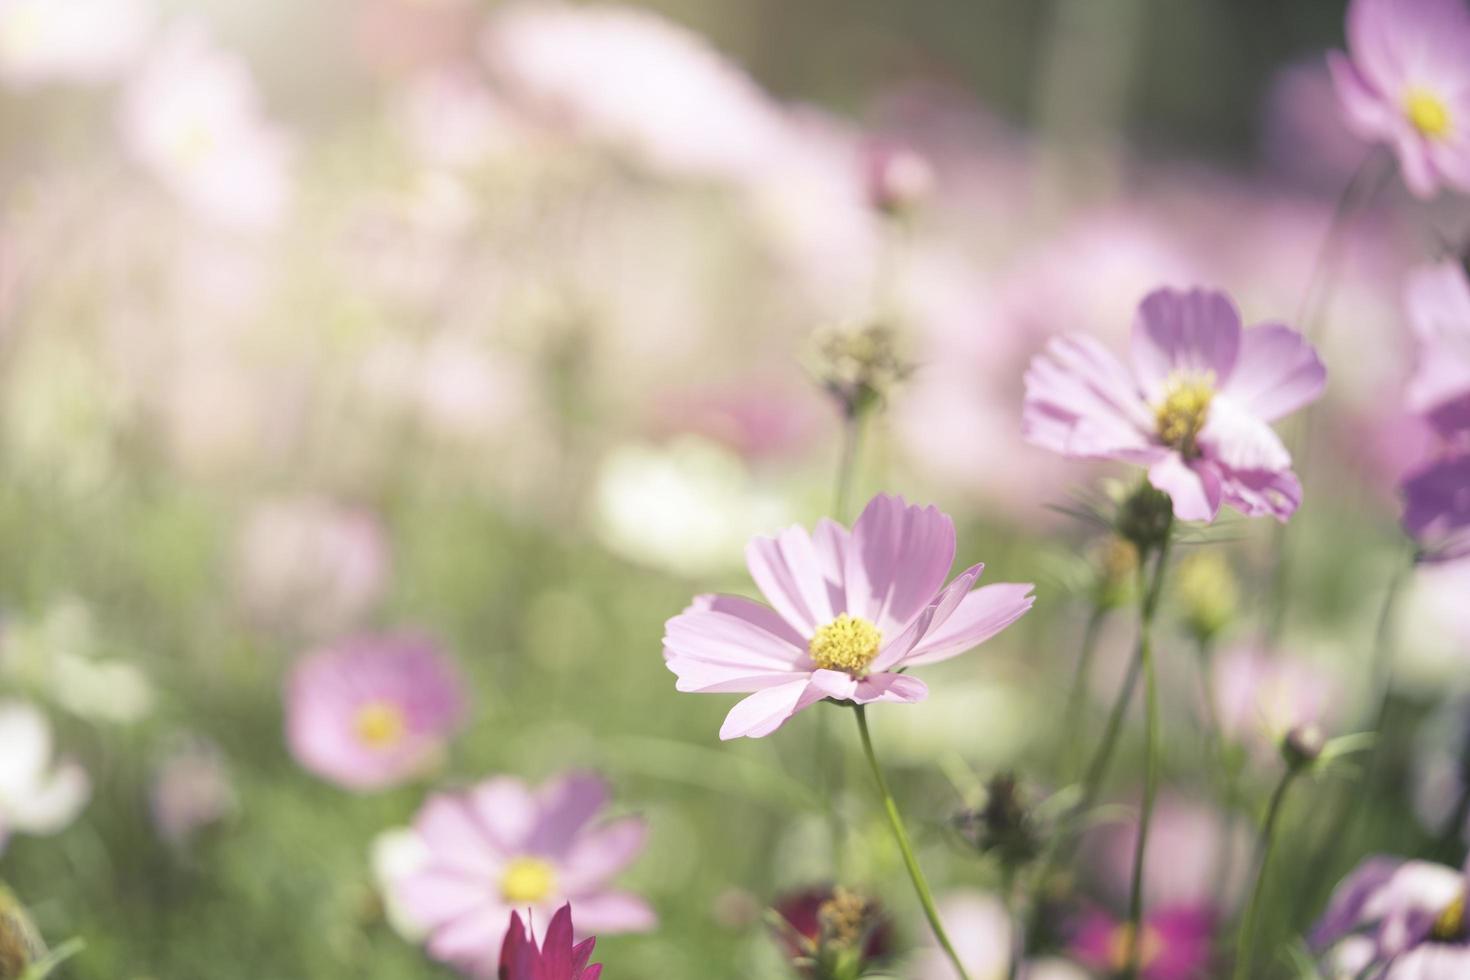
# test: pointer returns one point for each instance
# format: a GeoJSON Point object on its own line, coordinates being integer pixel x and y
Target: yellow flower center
{"type": "Point", "coordinates": [1428, 114]}
{"type": "Point", "coordinates": [527, 881]}
{"type": "Point", "coordinates": [1450, 926]}
{"type": "Point", "coordinates": [847, 643]}
{"type": "Point", "coordinates": [1184, 411]}
{"type": "Point", "coordinates": [1120, 946]}
{"type": "Point", "coordinates": [380, 724]}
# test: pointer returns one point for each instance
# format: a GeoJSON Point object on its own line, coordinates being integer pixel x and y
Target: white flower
{"type": "Point", "coordinates": [84, 41]}
{"type": "Point", "coordinates": [37, 795]}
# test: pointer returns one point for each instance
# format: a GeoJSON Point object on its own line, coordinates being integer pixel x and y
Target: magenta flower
{"type": "Point", "coordinates": [1406, 82]}
{"type": "Point", "coordinates": [1407, 917]}
{"type": "Point", "coordinates": [1175, 944]}
{"type": "Point", "coordinates": [1438, 302]}
{"type": "Point", "coordinates": [373, 711]}
{"type": "Point", "coordinates": [557, 959]}
{"type": "Point", "coordinates": [500, 847]}
{"type": "Point", "coordinates": [1194, 408]}
{"type": "Point", "coordinates": [849, 610]}
{"type": "Point", "coordinates": [1437, 509]}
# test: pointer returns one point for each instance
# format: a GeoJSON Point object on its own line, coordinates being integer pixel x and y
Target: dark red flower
{"type": "Point", "coordinates": [559, 958]}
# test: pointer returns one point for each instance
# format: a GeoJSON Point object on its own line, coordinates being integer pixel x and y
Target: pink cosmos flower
{"type": "Point", "coordinates": [1437, 509]}
{"type": "Point", "coordinates": [557, 959]}
{"type": "Point", "coordinates": [1194, 408]}
{"type": "Point", "coordinates": [1407, 917]}
{"type": "Point", "coordinates": [1406, 81]}
{"type": "Point", "coordinates": [1175, 943]}
{"type": "Point", "coordinates": [193, 116]}
{"type": "Point", "coordinates": [1438, 302]}
{"type": "Point", "coordinates": [849, 611]}
{"type": "Point", "coordinates": [502, 846]}
{"type": "Point", "coordinates": [373, 711]}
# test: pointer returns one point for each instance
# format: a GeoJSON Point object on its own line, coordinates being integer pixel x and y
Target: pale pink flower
{"type": "Point", "coordinates": [1194, 407]}
{"type": "Point", "coordinates": [80, 41]}
{"type": "Point", "coordinates": [311, 563]}
{"type": "Point", "coordinates": [1406, 82]}
{"type": "Point", "coordinates": [370, 712]}
{"type": "Point", "coordinates": [1304, 134]}
{"type": "Point", "coordinates": [1260, 696]}
{"type": "Point", "coordinates": [1437, 509]}
{"type": "Point", "coordinates": [849, 612]}
{"type": "Point", "coordinates": [502, 847]}
{"type": "Point", "coordinates": [191, 790]}
{"type": "Point", "coordinates": [193, 116]}
{"type": "Point", "coordinates": [1187, 842]}
{"type": "Point", "coordinates": [1437, 298]}
{"type": "Point", "coordinates": [451, 118]}
{"type": "Point", "coordinates": [631, 79]}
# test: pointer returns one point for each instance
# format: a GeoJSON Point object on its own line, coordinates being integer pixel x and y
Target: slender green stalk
{"type": "Point", "coordinates": [1014, 923]}
{"type": "Point", "coordinates": [852, 440]}
{"type": "Point", "coordinates": [1081, 677]}
{"type": "Point", "coordinates": [1265, 845]}
{"type": "Point", "coordinates": [895, 822]}
{"type": "Point", "coordinates": [1148, 604]}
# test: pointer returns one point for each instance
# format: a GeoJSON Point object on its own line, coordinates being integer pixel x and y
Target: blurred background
{"type": "Point", "coordinates": [503, 324]}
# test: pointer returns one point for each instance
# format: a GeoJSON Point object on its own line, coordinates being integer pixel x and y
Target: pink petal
{"type": "Point", "coordinates": [722, 643]}
{"type": "Point", "coordinates": [932, 617]}
{"type": "Point", "coordinates": [566, 805]}
{"type": "Point", "coordinates": [982, 613]}
{"type": "Point", "coordinates": [606, 913]}
{"type": "Point", "coordinates": [1366, 110]}
{"type": "Point", "coordinates": [1262, 493]}
{"type": "Point", "coordinates": [601, 853]}
{"type": "Point", "coordinates": [1438, 302]}
{"type": "Point", "coordinates": [1277, 373]}
{"type": "Point", "coordinates": [473, 938]}
{"type": "Point", "coordinates": [506, 812]}
{"type": "Point", "coordinates": [890, 687]}
{"type": "Point", "coordinates": [1195, 490]}
{"type": "Point", "coordinates": [1082, 402]}
{"type": "Point", "coordinates": [836, 684]}
{"type": "Point", "coordinates": [556, 949]}
{"type": "Point", "coordinates": [1194, 332]}
{"type": "Point", "coordinates": [899, 558]}
{"type": "Point", "coordinates": [789, 572]}
{"type": "Point", "coordinates": [454, 835]}
{"type": "Point", "coordinates": [1241, 441]}
{"type": "Point", "coordinates": [433, 897]}
{"type": "Point", "coordinates": [763, 712]}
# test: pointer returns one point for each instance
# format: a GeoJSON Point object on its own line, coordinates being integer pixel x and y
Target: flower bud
{"type": "Point", "coordinates": [898, 179]}
{"type": "Point", "coordinates": [1302, 745]}
{"type": "Point", "coordinates": [1145, 517]}
{"type": "Point", "coordinates": [1116, 563]}
{"type": "Point", "coordinates": [860, 368]}
{"type": "Point", "coordinates": [1205, 590]}
{"type": "Point", "coordinates": [20, 943]}
{"type": "Point", "coordinates": [1006, 825]}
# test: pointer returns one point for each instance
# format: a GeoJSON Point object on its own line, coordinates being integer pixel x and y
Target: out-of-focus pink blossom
{"type": "Point", "coordinates": [758, 419]}
{"type": "Point", "coordinates": [1412, 913]}
{"type": "Point", "coordinates": [849, 612]}
{"type": "Point", "coordinates": [394, 37]}
{"type": "Point", "coordinates": [1437, 509]}
{"type": "Point", "coordinates": [77, 41]}
{"type": "Point", "coordinates": [1193, 856]}
{"type": "Point", "coordinates": [1405, 81]}
{"type": "Point", "coordinates": [984, 939]}
{"type": "Point", "coordinates": [1175, 943]}
{"type": "Point", "coordinates": [1304, 133]}
{"type": "Point", "coordinates": [191, 790]}
{"type": "Point", "coordinates": [1195, 407]}
{"type": "Point", "coordinates": [502, 847]}
{"type": "Point", "coordinates": [1438, 302]}
{"type": "Point", "coordinates": [1260, 696]}
{"type": "Point", "coordinates": [633, 80]}
{"type": "Point", "coordinates": [311, 564]}
{"type": "Point", "coordinates": [898, 177]}
{"type": "Point", "coordinates": [451, 118]}
{"type": "Point", "coordinates": [370, 712]}
{"type": "Point", "coordinates": [194, 118]}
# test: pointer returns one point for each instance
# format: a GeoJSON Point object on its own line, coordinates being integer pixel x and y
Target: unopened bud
{"type": "Point", "coordinates": [1006, 826]}
{"type": "Point", "coordinates": [1302, 745]}
{"type": "Point", "coordinates": [899, 179]}
{"type": "Point", "coordinates": [1145, 517]}
{"type": "Point", "coordinates": [20, 943]}
{"type": "Point", "coordinates": [1205, 590]}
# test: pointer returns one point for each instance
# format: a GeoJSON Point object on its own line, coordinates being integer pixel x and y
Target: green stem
{"type": "Point", "coordinates": [1265, 845]}
{"type": "Point", "coordinates": [852, 439]}
{"type": "Point", "coordinates": [895, 822]}
{"type": "Point", "coordinates": [1148, 605]}
{"type": "Point", "coordinates": [1080, 680]}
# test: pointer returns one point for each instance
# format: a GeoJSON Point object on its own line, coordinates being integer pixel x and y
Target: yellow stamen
{"type": "Point", "coordinates": [527, 881]}
{"type": "Point", "coordinates": [380, 724]}
{"type": "Point", "coordinates": [1450, 926]}
{"type": "Point", "coordinates": [1428, 113]}
{"type": "Point", "coordinates": [1184, 411]}
{"type": "Point", "coordinates": [1119, 947]}
{"type": "Point", "coordinates": [847, 643]}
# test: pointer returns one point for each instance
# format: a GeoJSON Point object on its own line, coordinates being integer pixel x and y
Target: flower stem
{"type": "Point", "coordinates": [1265, 845]}
{"type": "Point", "coordinates": [1080, 679]}
{"type": "Point", "coordinates": [895, 822]}
{"type": "Point", "coordinates": [852, 440]}
{"type": "Point", "coordinates": [1148, 604]}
